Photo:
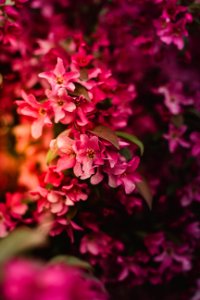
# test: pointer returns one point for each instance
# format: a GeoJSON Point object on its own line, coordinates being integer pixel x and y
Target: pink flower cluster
{"type": "Point", "coordinates": [25, 279]}
{"type": "Point", "coordinates": [85, 87]}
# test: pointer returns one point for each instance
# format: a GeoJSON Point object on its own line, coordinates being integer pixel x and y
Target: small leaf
{"type": "Point", "coordinates": [51, 155]}
{"type": "Point", "coordinates": [20, 240]}
{"type": "Point", "coordinates": [80, 91]}
{"type": "Point", "coordinates": [131, 138]}
{"type": "Point", "coordinates": [72, 261]}
{"type": "Point", "coordinates": [144, 189]}
{"type": "Point", "coordinates": [106, 134]}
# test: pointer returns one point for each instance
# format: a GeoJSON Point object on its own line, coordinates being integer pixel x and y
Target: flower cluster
{"type": "Point", "coordinates": [99, 115]}
{"type": "Point", "coordinates": [28, 279]}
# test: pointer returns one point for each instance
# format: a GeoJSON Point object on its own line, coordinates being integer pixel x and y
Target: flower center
{"type": "Point", "coordinates": [60, 102]}
{"type": "Point", "coordinates": [59, 80]}
{"type": "Point", "coordinates": [90, 153]}
{"type": "Point", "coordinates": [42, 111]}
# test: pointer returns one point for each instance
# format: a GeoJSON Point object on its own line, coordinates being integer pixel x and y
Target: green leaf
{"type": "Point", "coordinates": [126, 153]}
{"type": "Point", "coordinates": [80, 90]}
{"type": "Point", "coordinates": [131, 138]}
{"type": "Point", "coordinates": [72, 261]}
{"type": "Point", "coordinates": [51, 155]}
{"type": "Point", "coordinates": [145, 191]}
{"type": "Point", "coordinates": [107, 134]}
{"type": "Point", "coordinates": [21, 239]}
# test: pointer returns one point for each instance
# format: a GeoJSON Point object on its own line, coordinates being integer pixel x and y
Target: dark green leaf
{"type": "Point", "coordinates": [131, 138]}
{"type": "Point", "coordinates": [72, 261]}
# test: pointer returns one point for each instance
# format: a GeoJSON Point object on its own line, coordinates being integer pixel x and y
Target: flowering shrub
{"type": "Point", "coordinates": [99, 115]}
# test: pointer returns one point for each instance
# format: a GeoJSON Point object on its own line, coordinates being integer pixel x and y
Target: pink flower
{"type": "Point", "coordinates": [84, 109]}
{"type": "Point", "coordinates": [62, 105]}
{"type": "Point", "coordinates": [53, 177]}
{"type": "Point", "coordinates": [50, 200]}
{"type": "Point", "coordinates": [59, 78]}
{"type": "Point", "coordinates": [175, 137]}
{"type": "Point", "coordinates": [89, 155]}
{"type": "Point", "coordinates": [154, 241]}
{"type": "Point", "coordinates": [171, 255]}
{"type": "Point", "coordinates": [99, 243]}
{"type": "Point", "coordinates": [174, 98]}
{"type": "Point", "coordinates": [81, 59]}
{"type": "Point", "coordinates": [63, 146]}
{"type": "Point", "coordinates": [190, 193]}
{"type": "Point", "coordinates": [124, 173]}
{"type": "Point", "coordinates": [6, 224]}
{"type": "Point", "coordinates": [75, 191]}
{"type": "Point", "coordinates": [40, 113]}
{"type": "Point", "coordinates": [63, 224]}
{"type": "Point", "coordinates": [31, 280]}
{"type": "Point", "coordinates": [15, 203]}
{"type": "Point", "coordinates": [130, 267]}
{"type": "Point", "coordinates": [170, 28]}
{"type": "Point", "coordinates": [195, 139]}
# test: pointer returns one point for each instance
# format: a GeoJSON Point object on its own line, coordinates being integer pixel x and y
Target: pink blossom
{"type": "Point", "coordinates": [63, 224]}
{"type": "Point", "coordinates": [84, 109]}
{"type": "Point", "coordinates": [63, 146]}
{"type": "Point", "coordinates": [75, 191]}
{"type": "Point", "coordinates": [39, 112]}
{"type": "Point", "coordinates": [25, 279]}
{"type": "Point", "coordinates": [81, 59]}
{"type": "Point", "coordinates": [89, 155]}
{"type": "Point", "coordinates": [175, 137]}
{"type": "Point", "coordinates": [53, 177]}
{"type": "Point", "coordinates": [190, 193]}
{"type": "Point", "coordinates": [50, 200]}
{"type": "Point", "coordinates": [174, 98]}
{"type": "Point", "coordinates": [6, 224]}
{"type": "Point", "coordinates": [195, 140]}
{"type": "Point", "coordinates": [62, 105]}
{"type": "Point", "coordinates": [171, 255]}
{"type": "Point", "coordinates": [59, 78]}
{"type": "Point", "coordinates": [124, 173]}
{"type": "Point", "coordinates": [171, 29]}
{"type": "Point", "coordinates": [16, 204]}
{"type": "Point", "coordinates": [130, 267]}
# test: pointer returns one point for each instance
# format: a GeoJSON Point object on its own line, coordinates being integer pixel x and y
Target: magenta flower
{"type": "Point", "coordinates": [124, 173]}
{"type": "Point", "coordinates": [174, 98]}
{"type": "Point", "coordinates": [175, 139]}
{"type": "Point", "coordinates": [130, 267]}
{"type": "Point", "coordinates": [59, 78]}
{"type": "Point", "coordinates": [170, 28]}
{"type": "Point", "coordinates": [16, 205]}
{"type": "Point", "coordinates": [39, 112]}
{"type": "Point", "coordinates": [53, 176]}
{"type": "Point", "coordinates": [30, 280]}
{"type": "Point", "coordinates": [190, 193]}
{"type": "Point", "coordinates": [174, 255]}
{"type": "Point", "coordinates": [81, 59]}
{"type": "Point", "coordinates": [89, 155]}
{"type": "Point", "coordinates": [195, 139]}
{"type": "Point", "coordinates": [62, 105]}
{"type": "Point", "coordinates": [75, 191]}
{"type": "Point", "coordinates": [50, 200]}
{"type": "Point", "coordinates": [63, 146]}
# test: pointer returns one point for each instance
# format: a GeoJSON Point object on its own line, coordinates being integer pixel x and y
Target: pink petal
{"type": "Point", "coordinates": [59, 69]}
